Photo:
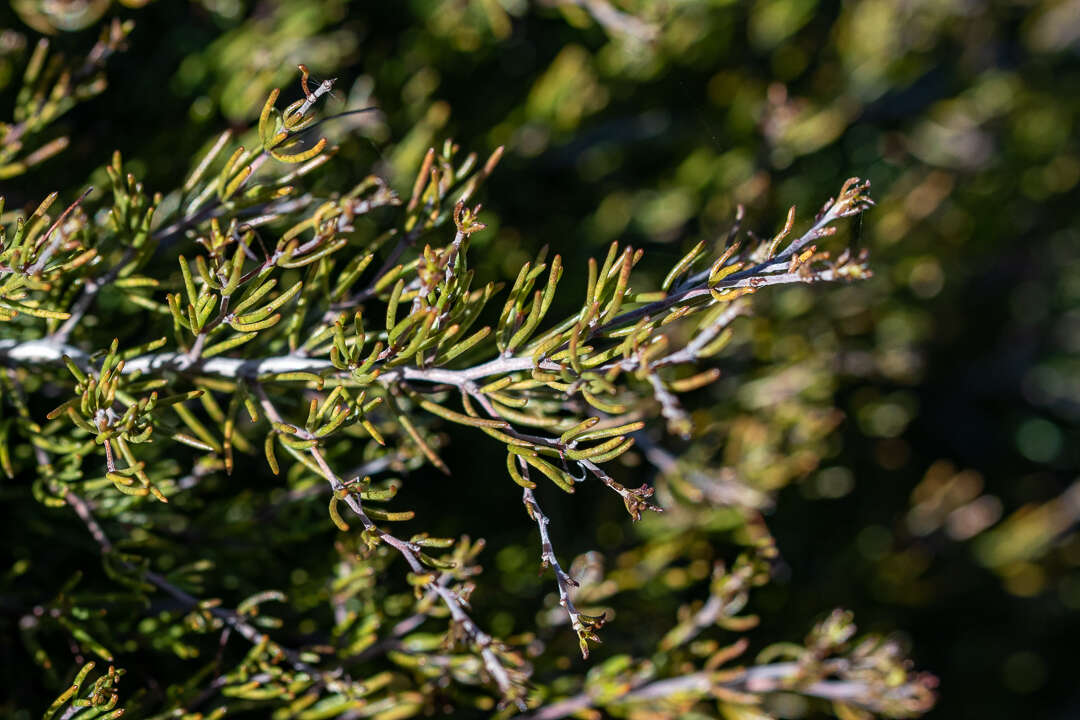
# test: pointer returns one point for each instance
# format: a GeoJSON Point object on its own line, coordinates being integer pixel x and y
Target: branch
{"type": "Point", "coordinates": [91, 288]}
{"type": "Point", "coordinates": [410, 552]}
{"type": "Point", "coordinates": [706, 336]}
{"type": "Point", "coordinates": [46, 351]}
{"type": "Point", "coordinates": [585, 626]}
{"type": "Point", "coordinates": [230, 617]}
{"type": "Point", "coordinates": [783, 268]}
{"type": "Point", "coordinates": [336, 680]}
{"type": "Point", "coordinates": [46, 255]}
{"type": "Point", "coordinates": [759, 680]}
{"type": "Point", "coordinates": [719, 485]}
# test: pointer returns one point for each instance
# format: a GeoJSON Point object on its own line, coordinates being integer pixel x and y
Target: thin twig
{"type": "Point", "coordinates": [563, 581]}
{"type": "Point", "coordinates": [50, 250]}
{"type": "Point", "coordinates": [230, 618]}
{"type": "Point", "coordinates": [759, 680]}
{"type": "Point", "coordinates": [410, 552]}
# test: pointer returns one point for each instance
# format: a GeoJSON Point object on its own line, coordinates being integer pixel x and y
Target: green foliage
{"type": "Point", "coordinates": [97, 701]}
{"type": "Point", "coordinates": [52, 86]}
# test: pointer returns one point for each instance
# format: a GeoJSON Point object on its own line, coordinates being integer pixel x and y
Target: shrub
{"type": "Point", "coordinates": [205, 389]}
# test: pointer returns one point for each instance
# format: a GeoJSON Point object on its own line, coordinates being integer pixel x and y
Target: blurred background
{"type": "Point", "coordinates": [920, 429]}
